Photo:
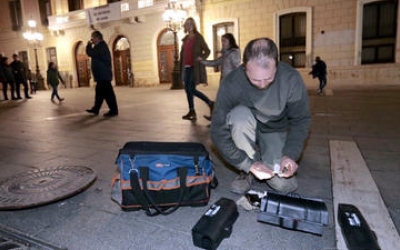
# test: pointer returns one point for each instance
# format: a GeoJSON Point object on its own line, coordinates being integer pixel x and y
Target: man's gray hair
{"type": "Point", "coordinates": [261, 51]}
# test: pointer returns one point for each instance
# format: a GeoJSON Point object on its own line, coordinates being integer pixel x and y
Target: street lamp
{"type": "Point", "coordinates": [34, 39]}
{"type": "Point", "coordinates": [174, 16]}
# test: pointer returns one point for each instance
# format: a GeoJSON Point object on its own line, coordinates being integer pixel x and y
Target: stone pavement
{"type": "Point", "coordinates": [38, 134]}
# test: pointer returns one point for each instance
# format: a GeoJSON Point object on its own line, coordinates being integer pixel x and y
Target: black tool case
{"type": "Point", "coordinates": [355, 229]}
{"type": "Point", "coordinates": [215, 224]}
{"type": "Point", "coordinates": [293, 212]}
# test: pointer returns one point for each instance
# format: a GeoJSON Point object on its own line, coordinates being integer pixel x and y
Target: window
{"type": "Point", "coordinates": [15, 14]}
{"type": "Point", "coordinates": [218, 30]}
{"type": "Point", "coordinates": [144, 3]}
{"type": "Point", "coordinates": [45, 11]}
{"type": "Point", "coordinates": [75, 5]}
{"type": "Point", "coordinates": [51, 54]}
{"type": "Point", "coordinates": [292, 42]}
{"type": "Point", "coordinates": [379, 32]}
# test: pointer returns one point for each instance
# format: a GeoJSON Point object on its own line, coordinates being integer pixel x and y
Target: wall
{"type": "Point", "coordinates": [334, 32]}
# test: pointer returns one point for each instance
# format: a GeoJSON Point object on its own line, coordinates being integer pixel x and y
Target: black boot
{"type": "Point", "coordinates": [190, 116]}
{"type": "Point", "coordinates": [211, 105]}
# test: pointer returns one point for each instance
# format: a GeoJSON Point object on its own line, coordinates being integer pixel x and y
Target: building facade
{"type": "Point", "coordinates": [358, 39]}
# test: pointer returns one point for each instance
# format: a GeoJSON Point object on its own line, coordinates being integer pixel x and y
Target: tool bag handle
{"type": "Point", "coordinates": [145, 198]}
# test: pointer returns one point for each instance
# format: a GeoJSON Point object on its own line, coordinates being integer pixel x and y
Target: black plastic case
{"type": "Point", "coordinates": [295, 213]}
{"type": "Point", "coordinates": [355, 229]}
{"type": "Point", "coordinates": [215, 224]}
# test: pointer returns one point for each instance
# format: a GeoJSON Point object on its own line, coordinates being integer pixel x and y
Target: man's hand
{"type": "Point", "coordinates": [260, 171]}
{"type": "Point", "coordinates": [288, 167]}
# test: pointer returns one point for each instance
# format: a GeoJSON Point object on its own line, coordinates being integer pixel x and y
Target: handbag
{"type": "Point", "coordinates": [159, 177]}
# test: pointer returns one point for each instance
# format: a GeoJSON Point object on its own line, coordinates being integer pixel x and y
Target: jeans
{"type": "Point", "coordinates": [264, 147]}
{"type": "Point", "coordinates": [54, 93]}
{"type": "Point", "coordinates": [190, 89]}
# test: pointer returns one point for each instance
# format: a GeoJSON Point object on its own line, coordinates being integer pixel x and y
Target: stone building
{"type": "Point", "coordinates": [358, 39]}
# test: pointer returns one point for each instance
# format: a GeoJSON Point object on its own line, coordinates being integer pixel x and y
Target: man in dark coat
{"type": "Point", "coordinates": [8, 76]}
{"type": "Point", "coordinates": [98, 50]}
{"type": "Point", "coordinates": [319, 70]}
{"type": "Point", "coordinates": [19, 76]}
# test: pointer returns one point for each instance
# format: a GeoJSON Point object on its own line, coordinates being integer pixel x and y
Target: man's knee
{"type": "Point", "coordinates": [284, 185]}
{"type": "Point", "coordinates": [241, 116]}
{"type": "Point", "coordinates": [243, 125]}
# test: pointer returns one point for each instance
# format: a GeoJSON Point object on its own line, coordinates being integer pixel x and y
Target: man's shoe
{"type": "Point", "coordinates": [28, 97]}
{"type": "Point", "coordinates": [92, 111]}
{"type": "Point", "coordinates": [207, 117]}
{"type": "Point", "coordinates": [190, 116]}
{"type": "Point", "coordinates": [110, 114]}
{"type": "Point", "coordinates": [61, 99]}
{"type": "Point", "coordinates": [14, 98]}
{"type": "Point", "coordinates": [242, 183]}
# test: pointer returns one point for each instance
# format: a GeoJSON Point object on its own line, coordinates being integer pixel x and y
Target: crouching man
{"type": "Point", "coordinates": [261, 119]}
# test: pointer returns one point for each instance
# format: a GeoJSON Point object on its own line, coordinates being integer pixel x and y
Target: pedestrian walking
{"type": "Point", "coordinates": [319, 70]}
{"type": "Point", "coordinates": [230, 56]}
{"type": "Point", "coordinates": [229, 59]}
{"type": "Point", "coordinates": [53, 79]}
{"type": "Point", "coordinates": [193, 72]}
{"type": "Point", "coordinates": [97, 49]}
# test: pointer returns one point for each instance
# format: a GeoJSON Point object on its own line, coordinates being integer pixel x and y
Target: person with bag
{"type": "Point", "coordinates": [193, 72]}
{"type": "Point", "coordinates": [98, 50]}
{"type": "Point", "coordinates": [229, 60]}
{"type": "Point", "coordinates": [53, 79]}
{"type": "Point", "coordinates": [262, 118]}
{"type": "Point", "coordinates": [319, 70]}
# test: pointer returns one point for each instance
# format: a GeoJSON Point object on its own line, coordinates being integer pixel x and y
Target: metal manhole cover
{"type": "Point", "coordinates": [43, 186]}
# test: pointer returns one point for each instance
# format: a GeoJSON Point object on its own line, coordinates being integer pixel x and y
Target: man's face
{"type": "Point", "coordinates": [95, 40]}
{"type": "Point", "coordinates": [260, 77]}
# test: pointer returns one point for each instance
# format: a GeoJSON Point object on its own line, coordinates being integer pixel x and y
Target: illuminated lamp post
{"type": "Point", "coordinates": [34, 39]}
{"type": "Point", "coordinates": [174, 16]}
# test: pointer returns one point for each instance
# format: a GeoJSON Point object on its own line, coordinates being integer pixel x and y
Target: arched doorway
{"type": "Point", "coordinates": [122, 62]}
{"type": "Point", "coordinates": [165, 46]}
{"type": "Point", "coordinates": [82, 65]}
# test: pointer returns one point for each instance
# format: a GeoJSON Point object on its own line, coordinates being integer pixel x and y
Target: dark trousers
{"type": "Point", "coordinates": [322, 82]}
{"type": "Point", "coordinates": [18, 89]}
{"type": "Point", "coordinates": [54, 93]}
{"type": "Point", "coordinates": [191, 91]}
{"type": "Point", "coordinates": [105, 91]}
{"type": "Point", "coordinates": [5, 87]}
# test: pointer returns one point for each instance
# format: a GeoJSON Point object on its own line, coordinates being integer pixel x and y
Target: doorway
{"type": "Point", "coordinates": [122, 62]}
{"type": "Point", "coordinates": [82, 65]}
{"type": "Point", "coordinates": [165, 47]}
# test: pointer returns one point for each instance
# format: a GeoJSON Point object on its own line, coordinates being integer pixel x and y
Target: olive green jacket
{"type": "Point", "coordinates": [200, 49]}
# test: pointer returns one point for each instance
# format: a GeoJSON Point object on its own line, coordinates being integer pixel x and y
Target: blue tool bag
{"type": "Point", "coordinates": [159, 177]}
